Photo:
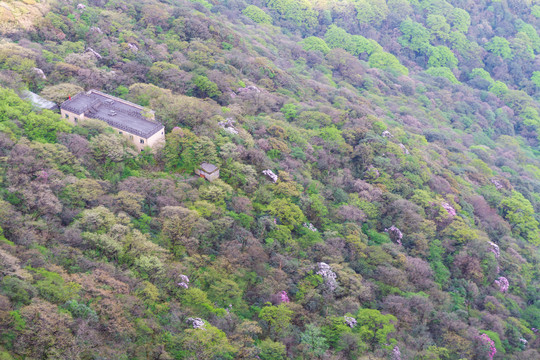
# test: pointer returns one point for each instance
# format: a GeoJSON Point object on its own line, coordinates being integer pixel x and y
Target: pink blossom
{"type": "Point", "coordinates": [502, 283]}
{"type": "Point", "coordinates": [310, 226]}
{"type": "Point", "coordinates": [249, 89]}
{"type": "Point", "coordinates": [395, 234]}
{"type": "Point", "coordinates": [43, 175]}
{"type": "Point", "coordinates": [197, 323]}
{"type": "Point", "coordinates": [488, 345]}
{"type": "Point", "coordinates": [228, 125]}
{"type": "Point", "coordinates": [497, 184]}
{"type": "Point", "coordinates": [396, 354]}
{"type": "Point", "coordinates": [495, 249]}
{"type": "Point", "coordinates": [283, 297]}
{"type": "Point", "coordinates": [328, 276]}
{"type": "Point", "coordinates": [350, 321]}
{"type": "Point", "coordinates": [271, 175]}
{"type": "Point", "coordinates": [185, 281]}
{"type": "Point", "coordinates": [449, 209]}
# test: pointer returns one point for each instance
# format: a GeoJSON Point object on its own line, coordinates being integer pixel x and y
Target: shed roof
{"type": "Point", "coordinates": [208, 168]}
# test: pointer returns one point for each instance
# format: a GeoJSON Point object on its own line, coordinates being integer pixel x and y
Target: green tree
{"type": "Point", "coordinates": [441, 272]}
{"type": "Point", "coordinates": [314, 43]}
{"type": "Point", "coordinates": [441, 56]}
{"type": "Point", "coordinates": [271, 350]}
{"type": "Point", "coordinates": [498, 88]}
{"type": "Point", "coordinates": [287, 212]}
{"type": "Point", "coordinates": [415, 36]}
{"type": "Point", "coordinates": [18, 291]}
{"type": "Point", "coordinates": [54, 288]}
{"type": "Point", "coordinates": [520, 214]}
{"type": "Point", "coordinates": [371, 12]}
{"type": "Point", "coordinates": [290, 111]}
{"type": "Point", "coordinates": [481, 73]}
{"type": "Point", "coordinates": [533, 36]}
{"type": "Point", "coordinates": [337, 37]}
{"type": "Point", "coordinates": [443, 72]}
{"type": "Point", "coordinates": [207, 343]}
{"type": "Point", "coordinates": [386, 61]}
{"type": "Point", "coordinates": [535, 78]}
{"type": "Point", "coordinates": [434, 353]}
{"type": "Point", "coordinates": [439, 27]}
{"type": "Point", "coordinates": [298, 12]}
{"type": "Point", "coordinates": [257, 15]}
{"type": "Point", "coordinates": [60, 92]}
{"type": "Point", "coordinates": [205, 87]}
{"type": "Point", "coordinates": [42, 126]}
{"type": "Point", "coordinates": [186, 151]}
{"type": "Point", "coordinates": [334, 331]}
{"type": "Point", "coordinates": [460, 20]}
{"type": "Point", "coordinates": [499, 46]}
{"type": "Point", "coordinates": [374, 328]}
{"type": "Point", "coordinates": [535, 11]}
{"type": "Point", "coordinates": [278, 318]}
{"type": "Point", "coordinates": [314, 341]}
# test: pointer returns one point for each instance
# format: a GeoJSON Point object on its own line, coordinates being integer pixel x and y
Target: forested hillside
{"type": "Point", "coordinates": [379, 191]}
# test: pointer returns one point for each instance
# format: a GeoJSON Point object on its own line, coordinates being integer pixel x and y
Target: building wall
{"type": "Point", "coordinates": [153, 141]}
{"type": "Point", "coordinates": [158, 139]}
{"type": "Point", "coordinates": [71, 116]}
{"type": "Point", "coordinates": [210, 177]}
{"type": "Point", "coordinates": [213, 176]}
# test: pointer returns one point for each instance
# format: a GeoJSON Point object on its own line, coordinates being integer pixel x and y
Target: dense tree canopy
{"type": "Point", "coordinates": [378, 196]}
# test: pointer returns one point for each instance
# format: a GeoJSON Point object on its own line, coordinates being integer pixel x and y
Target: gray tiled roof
{"type": "Point", "coordinates": [116, 112]}
{"type": "Point", "coordinates": [208, 168]}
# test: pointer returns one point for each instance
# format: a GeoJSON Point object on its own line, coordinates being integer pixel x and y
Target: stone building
{"type": "Point", "coordinates": [129, 119]}
{"type": "Point", "coordinates": [208, 171]}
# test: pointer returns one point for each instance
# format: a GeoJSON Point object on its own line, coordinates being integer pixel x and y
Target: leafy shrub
{"type": "Point", "coordinates": [257, 15]}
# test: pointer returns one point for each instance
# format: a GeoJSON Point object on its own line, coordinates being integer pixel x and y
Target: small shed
{"type": "Point", "coordinates": [208, 171]}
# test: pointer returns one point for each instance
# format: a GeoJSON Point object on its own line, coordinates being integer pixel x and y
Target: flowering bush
{"type": "Point", "coordinates": [197, 323]}
{"type": "Point", "coordinates": [185, 281]}
{"type": "Point", "coordinates": [283, 297]}
{"type": "Point", "coordinates": [497, 184]}
{"type": "Point", "coordinates": [395, 234]}
{"type": "Point", "coordinates": [350, 321]}
{"type": "Point", "coordinates": [228, 125]}
{"type": "Point", "coordinates": [271, 175]}
{"type": "Point", "coordinates": [310, 226]}
{"type": "Point", "coordinates": [449, 209]}
{"type": "Point", "coordinates": [328, 275]}
{"type": "Point", "coordinates": [396, 354]}
{"type": "Point", "coordinates": [495, 249]}
{"type": "Point", "coordinates": [387, 134]}
{"type": "Point", "coordinates": [502, 283]}
{"type": "Point", "coordinates": [43, 175]}
{"type": "Point", "coordinates": [487, 346]}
